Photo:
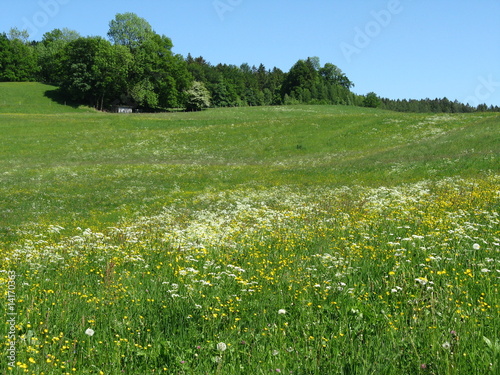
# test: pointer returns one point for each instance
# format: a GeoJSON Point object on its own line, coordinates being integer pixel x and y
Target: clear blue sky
{"type": "Point", "coordinates": [396, 48]}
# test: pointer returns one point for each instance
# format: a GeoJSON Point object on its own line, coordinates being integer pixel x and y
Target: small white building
{"type": "Point", "coordinates": [122, 109]}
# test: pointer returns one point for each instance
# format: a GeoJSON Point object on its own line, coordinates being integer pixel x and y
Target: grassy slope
{"type": "Point", "coordinates": [75, 167]}
{"type": "Point", "coordinates": [33, 98]}
{"type": "Point", "coordinates": [256, 249]}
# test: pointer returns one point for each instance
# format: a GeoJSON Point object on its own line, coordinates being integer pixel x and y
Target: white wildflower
{"type": "Point", "coordinates": [221, 346]}
{"type": "Point", "coordinates": [281, 311]}
{"type": "Point", "coordinates": [422, 280]}
{"type": "Point", "coordinates": [90, 332]}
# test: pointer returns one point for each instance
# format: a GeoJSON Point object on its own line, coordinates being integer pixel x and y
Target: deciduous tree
{"type": "Point", "coordinates": [198, 97]}
{"type": "Point", "coordinates": [97, 71]}
{"type": "Point", "coordinates": [50, 54]}
{"type": "Point", "coordinates": [17, 60]}
{"type": "Point", "coordinates": [130, 30]}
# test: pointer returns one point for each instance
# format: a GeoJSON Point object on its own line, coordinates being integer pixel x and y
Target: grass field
{"type": "Point", "coordinates": [296, 239]}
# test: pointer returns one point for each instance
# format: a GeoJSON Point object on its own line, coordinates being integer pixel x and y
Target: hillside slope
{"type": "Point", "coordinates": [75, 167]}
{"type": "Point", "coordinates": [32, 97]}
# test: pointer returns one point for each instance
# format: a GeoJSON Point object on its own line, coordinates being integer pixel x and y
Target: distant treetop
{"type": "Point", "coordinates": [128, 29]}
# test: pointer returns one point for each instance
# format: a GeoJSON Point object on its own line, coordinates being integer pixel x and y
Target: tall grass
{"type": "Point", "coordinates": [350, 280]}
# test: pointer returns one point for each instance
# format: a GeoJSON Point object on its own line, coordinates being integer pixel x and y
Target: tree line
{"type": "Point", "coordinates": [443, 105]}
{"type": "Point", "coordinates": [135, 66]}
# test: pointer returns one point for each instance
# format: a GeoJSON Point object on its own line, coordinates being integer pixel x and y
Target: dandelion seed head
{"type": "Point", "coordinates": [89, 332]}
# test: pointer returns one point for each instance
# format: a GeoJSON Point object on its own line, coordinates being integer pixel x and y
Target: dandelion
{"type": "Point", "coordinates": [221, 346]}
{"type": "Point", "coordinates": [281, 311]}
{"type": "Point", "coordinates": [446, 345]}
{"type": "Point", "coordinates": [90, 332]}
{"type": "Point", "coordinates": [476, 246]}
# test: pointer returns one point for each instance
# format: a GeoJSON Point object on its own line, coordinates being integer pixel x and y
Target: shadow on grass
{"type": "Point", "coordinates": [58, 97]}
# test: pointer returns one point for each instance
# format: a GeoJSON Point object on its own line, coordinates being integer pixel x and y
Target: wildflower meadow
{"type": "Point", "coordinates": [211, 243]}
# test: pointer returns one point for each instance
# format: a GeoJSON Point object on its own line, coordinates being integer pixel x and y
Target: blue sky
{"type": "Point", "coordinates": [396, 48]}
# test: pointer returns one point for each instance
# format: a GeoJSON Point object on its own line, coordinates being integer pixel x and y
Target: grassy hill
{"type": "Point", "coordinates": [63, 164]}
{"type": "Point", "coordinates": [296, 239]}
{"type": "Point", "coordinates": [33, 98]}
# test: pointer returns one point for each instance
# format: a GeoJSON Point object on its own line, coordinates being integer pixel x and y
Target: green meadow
{"type": "Point", "coordinates": [287, 239]}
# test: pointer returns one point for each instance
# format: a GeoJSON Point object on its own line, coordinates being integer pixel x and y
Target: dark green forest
{"type": "Point", "coordinates": [136, 67]}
